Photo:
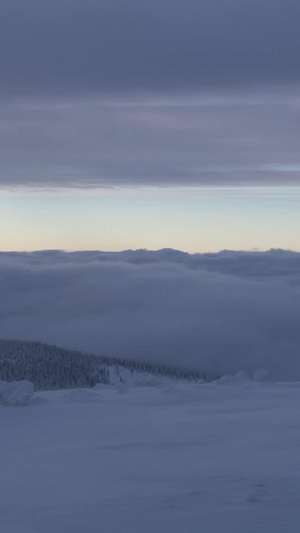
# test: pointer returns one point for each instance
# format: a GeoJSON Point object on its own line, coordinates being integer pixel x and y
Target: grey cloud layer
{"type": "Point", "coordinates": [89, 144]}
{"type": "Point", "coordinates": [112, 46]}
{"type": "Point", "coordinates": [64, 56]}
{"type": "Point", "coordinates": [219, 312]}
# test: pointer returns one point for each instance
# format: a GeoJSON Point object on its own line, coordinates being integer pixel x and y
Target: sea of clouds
{"type": "Point", "coordinates": [220, 312]}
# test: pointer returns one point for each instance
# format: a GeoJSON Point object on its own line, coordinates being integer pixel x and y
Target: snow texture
{"type": "Point", "coordinates": [176, 458]}
{"type": "Point", "coordinates": [16, 392]}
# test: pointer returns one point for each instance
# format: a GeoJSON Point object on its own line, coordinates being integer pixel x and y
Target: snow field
{"type": "Point", "coordinates": [211, 458]}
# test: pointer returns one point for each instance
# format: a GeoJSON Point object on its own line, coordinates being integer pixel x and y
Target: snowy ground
{"type": "Point", "coordinates": [217, 458]}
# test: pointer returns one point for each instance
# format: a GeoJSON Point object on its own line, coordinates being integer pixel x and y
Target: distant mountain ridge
{"type": "Point", "coordinates": [51, 367]}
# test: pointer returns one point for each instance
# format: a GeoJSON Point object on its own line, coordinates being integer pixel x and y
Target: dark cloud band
{"type": "Point", "coordinates": [114, 47]}
{"type": "Point", "coordinates": [91, 144]}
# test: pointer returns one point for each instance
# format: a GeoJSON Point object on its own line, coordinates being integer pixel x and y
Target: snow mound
{"type": "Point", "coordinates": [260, 376]}
{"type": "Point", "coordinates": [16, 392]}
{"type": "Point", "coordinates": [240, 377]}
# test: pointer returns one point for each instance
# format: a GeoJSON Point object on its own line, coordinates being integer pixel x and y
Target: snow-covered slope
{"type": "Point", "coordinates": [212, 458]}
{"type": "Point", "coordinates": [51, 367]}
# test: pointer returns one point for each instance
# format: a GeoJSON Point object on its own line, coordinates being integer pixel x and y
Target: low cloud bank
{"type": "Point", "coordinates": [221, 312]}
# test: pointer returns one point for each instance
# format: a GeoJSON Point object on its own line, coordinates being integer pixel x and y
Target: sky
{"type": "Point", "coordinates": [129, 125]}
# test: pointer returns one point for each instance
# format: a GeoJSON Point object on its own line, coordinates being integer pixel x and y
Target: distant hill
{"type": "Point", "coordinates": [50, 367]}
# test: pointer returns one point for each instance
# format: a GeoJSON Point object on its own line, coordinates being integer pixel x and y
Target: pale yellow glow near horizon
{"type": "Point", "coordinates": [190, 219]}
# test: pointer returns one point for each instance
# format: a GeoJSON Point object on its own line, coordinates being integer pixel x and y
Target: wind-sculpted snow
{"type": "Point", "coordinates": [16, 392]}
{"type": "Point", "coordinates": [217, 313]}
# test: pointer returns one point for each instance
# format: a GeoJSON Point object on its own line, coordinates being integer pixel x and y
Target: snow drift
{"type": "Point", "coordinates": [16, 392]}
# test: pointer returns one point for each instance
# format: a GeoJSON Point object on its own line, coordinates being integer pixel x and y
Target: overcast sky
{"type": "Point", "coordinates": [113, 95]}
{"type": "Point", "coordinates": [114, 47]}
{"type": "Point", "coordinates": [161, 92]}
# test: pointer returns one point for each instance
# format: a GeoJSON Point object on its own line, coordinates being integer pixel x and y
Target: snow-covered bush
{"type": "Point", "coordinates": [16, 392]}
